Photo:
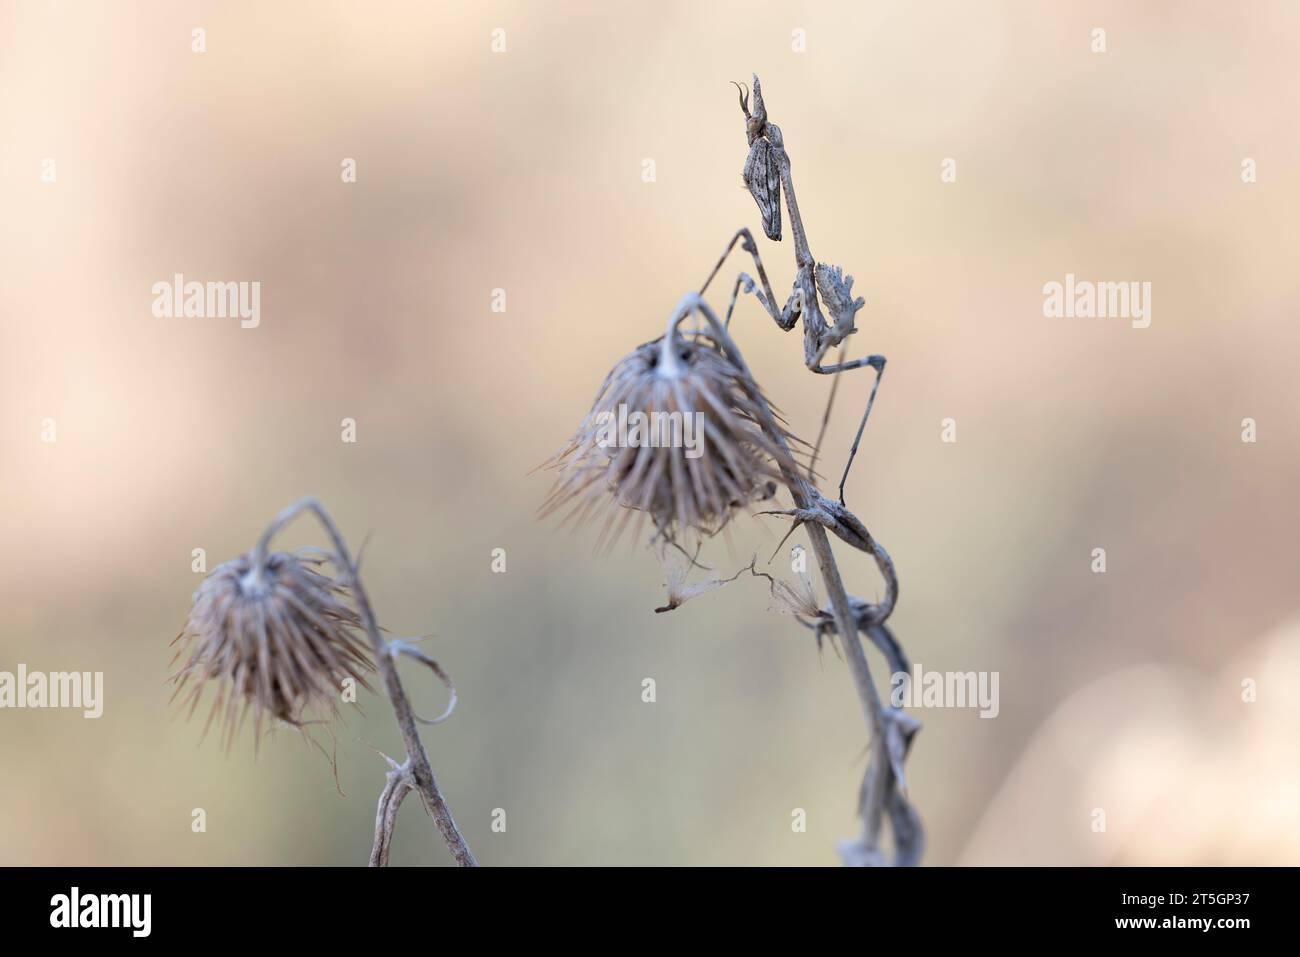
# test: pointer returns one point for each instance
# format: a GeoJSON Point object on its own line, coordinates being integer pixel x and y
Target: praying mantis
{"type": "Point", "coordinates": [767, 170]}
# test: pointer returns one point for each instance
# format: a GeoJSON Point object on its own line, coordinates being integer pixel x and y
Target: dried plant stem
{"type": "Point", "coordinates": [878, 778]}
{"type": "Point", "coordinates": [879, 782]}
{"type": "Point", "coordinates": [416, 773]}
{"type": "Point", "coordinates": [883, 790]}
{"type": "Point", "coordinates": [390, 799]}
{"type": "Point", "coordinates": [845, 625]}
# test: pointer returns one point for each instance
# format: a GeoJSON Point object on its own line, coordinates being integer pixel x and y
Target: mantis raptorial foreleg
{"type": "Point", "coordinates": [787, 317]}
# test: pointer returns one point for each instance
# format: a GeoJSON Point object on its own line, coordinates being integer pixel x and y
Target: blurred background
{"type": "Point", "coordinates": [522, 170]}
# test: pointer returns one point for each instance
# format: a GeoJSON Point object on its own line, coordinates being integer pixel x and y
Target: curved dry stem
{"type": "Point", "coordinates": [396, 787]}
{"type": "Point", "coordinates": [420, 771]}
{"type": "Point", "coordinates": [400, 647]}
{"type": "Point", "coordinates": [881, 783]}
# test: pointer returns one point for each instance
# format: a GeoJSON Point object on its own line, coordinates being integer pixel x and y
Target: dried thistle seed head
{"type": "Point", "coordinates": [280, 638]}
{"type": "Point", "coordinates": [675, 433]}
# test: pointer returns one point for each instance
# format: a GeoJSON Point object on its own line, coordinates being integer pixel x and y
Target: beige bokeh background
{"type": "Point", "coordinates": [523, 171]}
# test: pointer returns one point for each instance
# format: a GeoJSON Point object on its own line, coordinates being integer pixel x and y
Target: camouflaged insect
{"type": "Point", "coordinates": [762, 174]}
{"type": "Point", "coordinates": [816, 285]}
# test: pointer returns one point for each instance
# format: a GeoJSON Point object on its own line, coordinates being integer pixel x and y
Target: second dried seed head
{"type": "Point", "coordinates": [276, 635]}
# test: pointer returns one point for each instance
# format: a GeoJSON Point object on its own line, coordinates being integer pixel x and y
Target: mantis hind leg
{"type": "Point", "coordinates": [877, 363]}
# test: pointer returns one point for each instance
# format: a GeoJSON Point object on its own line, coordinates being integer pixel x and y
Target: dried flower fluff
{"type": "Point", "coordinates": [736, 462]}
{"type": "Point", "coordinates": [677, 569]}
{"type": "Point", "coordinates": [797, 598]}
{"type": "Point", "coordinates": [280, 638]}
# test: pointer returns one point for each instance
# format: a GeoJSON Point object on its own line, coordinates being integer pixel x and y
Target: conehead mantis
{"type": "Point", "coordinates": [816, 285]}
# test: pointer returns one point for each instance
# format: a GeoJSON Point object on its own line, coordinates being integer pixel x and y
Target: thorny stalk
{"type": "Point", "coordinates": [883, 787]}
{"type": "Point", "coordinates": [883, 793]}
{"type": "Point", "coordinates": [415, 774]}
